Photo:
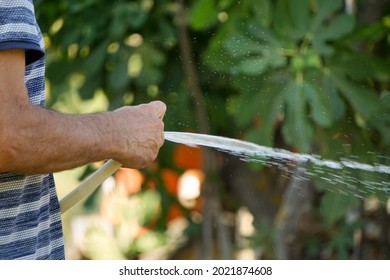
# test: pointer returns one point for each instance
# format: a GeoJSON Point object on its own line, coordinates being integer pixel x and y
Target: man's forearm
{"type": "Point", "coordinates": [38, 140]}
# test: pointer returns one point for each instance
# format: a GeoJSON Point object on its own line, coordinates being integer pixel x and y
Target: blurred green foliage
{"type": "Point", "coordinates": [300, 74]}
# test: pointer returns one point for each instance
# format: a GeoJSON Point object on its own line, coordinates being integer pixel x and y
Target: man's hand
{"type": "Point", "coordinates": [140, 132]}
{"type": "Point", "coordinates": [36, 140]}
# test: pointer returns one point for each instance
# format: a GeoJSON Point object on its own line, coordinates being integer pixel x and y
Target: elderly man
{"type": "Point", "coordinates": [34, 141]}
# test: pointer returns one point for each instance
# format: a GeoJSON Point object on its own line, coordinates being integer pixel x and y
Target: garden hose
{"type": "Point", "coordinates": [87, 187]}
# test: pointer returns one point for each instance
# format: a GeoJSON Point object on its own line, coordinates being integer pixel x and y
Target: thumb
{"type": "Point", "coordinates": [159, 108]}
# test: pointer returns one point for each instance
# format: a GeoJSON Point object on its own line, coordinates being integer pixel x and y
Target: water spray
{"type": "Point", "coordinates": [240, 148]}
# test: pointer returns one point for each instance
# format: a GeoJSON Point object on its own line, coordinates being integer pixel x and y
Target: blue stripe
{"type": "Point", "coordinates": [19, 14]}
{"type": "Point", "coordinates": [13, 198]}
{"type": "Point", "coordinates": [24, 221]}
{"type": "Point", "coordinates": [19, 37]}
{"type": "Point", "coordinates": [37, 85]}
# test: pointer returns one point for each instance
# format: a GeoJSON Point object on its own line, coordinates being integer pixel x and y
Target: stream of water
{"type": "Point", "coordinates": [372, 178]}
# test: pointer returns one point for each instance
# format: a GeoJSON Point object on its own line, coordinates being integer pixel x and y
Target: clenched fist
{"type": "Point", "coordinates": [139, 132]}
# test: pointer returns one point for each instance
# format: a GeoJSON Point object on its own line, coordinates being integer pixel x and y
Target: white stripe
{"type": "Point", "coordinates": [37, 73]}
{"type": "Point", "coordinates": [19, 27]}
{"type": "Point", "coordinates": [25, 208]}
{"type": "Point", "coordinates": [20, 184]}
{"type": "Point", "coordinates": [16, 3]}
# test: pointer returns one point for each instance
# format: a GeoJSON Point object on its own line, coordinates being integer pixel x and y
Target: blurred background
{"type": "Point", "coordinates": [308, 76]}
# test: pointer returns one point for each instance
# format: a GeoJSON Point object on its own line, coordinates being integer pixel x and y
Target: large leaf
{"type": "Point", "coordinates": [282, 21]}
{"type": "Point", "coordinates": [337, 105]}
{"type": "Point", "coordinates": [300, 17]}
{"type": "Point", "coordinates": [361, 66]}
{"type": "Point", "coordinates": [264, 35]}
{"type": "Point", "coordinates": [338, 27]}
{"type": "Point", "coordinates": [296, 129]}
{"type": "Point", "coordinates": [319, 102]}
{"type": "Point", "coordinates": [241, 45]}
{"type": "Point", "coordinates": [245, 108]}
{"type": "Point", "coordinates": [254, 66]}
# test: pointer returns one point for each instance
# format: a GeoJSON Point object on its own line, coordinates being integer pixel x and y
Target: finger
{"type": "Point", "coordinates": [159, 107]}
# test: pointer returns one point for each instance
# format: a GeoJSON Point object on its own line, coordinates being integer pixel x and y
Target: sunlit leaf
{"type": "Point", "coordinates": [202, 14]}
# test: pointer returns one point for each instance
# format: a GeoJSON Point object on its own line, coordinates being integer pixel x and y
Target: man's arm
{"type": "Point", "coordinates": [37, 140]}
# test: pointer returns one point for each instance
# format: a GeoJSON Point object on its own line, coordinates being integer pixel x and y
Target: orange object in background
{"type": "Point", "coordinates": [187, 157]}
{"type": "Point", "coordinates": [171, 179]}
{"type": "Point", "coordinates": [174, 212]}
{"type": "Point", "coordinates": [128, 181]}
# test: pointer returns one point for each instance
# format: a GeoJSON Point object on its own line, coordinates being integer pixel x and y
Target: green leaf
{"type": "Point", "coordinates": [259, 99]}
{"type": "Point", "coordinates": [254, 66]}
{"type": "Point", "coordinates": [361, 66]}
{"type": "Point", "coordinates": [300, 16]}
{"type": "Point", "coordinates": [88, 89]}
{"type": "Point", "coordinates": [334, 206]}
{"type": "Point", "coordinates": [363, 100]}
{"type": "Point", "coordinates": [325, 10]}
{"type": "Point", "coordinates": [223, 4]}
{"type": "Point", "coordinates": [241, 45]}
{"type": "Point", "coordinates": [337, 105]}
{"type": "Point", "coordinates": [322, 47]}
{"type": "Point", "coordinates": [245, 108]}
{"type": "Point", "coordinates": [203, 14]}
{"type": "Point", "coordinates": [380, 120]}
{"type": "Point", "coordinates": [263, 11]}
{"type": "Point", "coordinates": [342, 240]}
{"type": "Point", "coordinates": [152, 59]}
{"type": "Point", "coordinates": [296, 129]}
{"type": "Point", "coordinates": [149, 206]}
{"type": "Point", "coordinates": [118, 77]}
{"type": "Point", "coordinates": [216, 56]}
{"type": "Point", "coordinates": [262, 34]}
{"type": "Point", "coordinates": [272, 107]}
{"type": "Point", "coordinates": [319, 104]}
{"type": "Point", "coordinates": [94, 63]}
{"type": "Point", "coordinates": [340, 26]}
{"type": "Point", "coordinates": [282, 21]}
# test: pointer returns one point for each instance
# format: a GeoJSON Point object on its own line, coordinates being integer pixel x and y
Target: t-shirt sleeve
{"type": "Point", "coordinates": [19, 29]}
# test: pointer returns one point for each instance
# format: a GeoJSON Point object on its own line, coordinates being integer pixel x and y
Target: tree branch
{"type": "Point", "coordinates": [212, 205]}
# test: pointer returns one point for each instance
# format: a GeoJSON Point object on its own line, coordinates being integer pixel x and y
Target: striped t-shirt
{"type": "Point", "coordinates": [30, 219]}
